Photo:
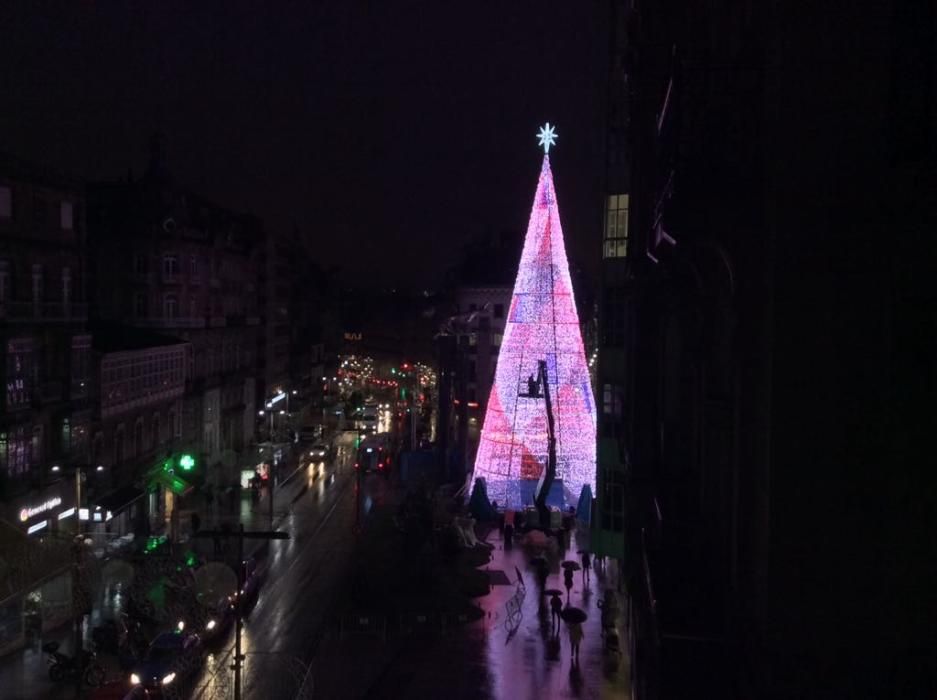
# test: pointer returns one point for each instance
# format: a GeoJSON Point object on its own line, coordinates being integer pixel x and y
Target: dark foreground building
{"type": "Point", "coordinates": [780, 348]}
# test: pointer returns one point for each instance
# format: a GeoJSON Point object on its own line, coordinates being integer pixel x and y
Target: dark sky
{"type": "Point", "coordinates": [390, 132]}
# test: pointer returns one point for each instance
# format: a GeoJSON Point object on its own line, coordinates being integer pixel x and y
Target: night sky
{"type": "Point", "coordinates": [390, 133]}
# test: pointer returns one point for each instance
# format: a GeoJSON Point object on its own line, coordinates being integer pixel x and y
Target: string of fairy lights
{"type": "Point", "coordinates": [542, 324]}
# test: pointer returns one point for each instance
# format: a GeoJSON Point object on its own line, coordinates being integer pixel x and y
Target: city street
{"type": "Point", "coordinates": [301, 577]}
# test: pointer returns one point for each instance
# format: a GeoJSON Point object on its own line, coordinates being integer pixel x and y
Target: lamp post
{"type": "Point", "coordinates": [241, 535]}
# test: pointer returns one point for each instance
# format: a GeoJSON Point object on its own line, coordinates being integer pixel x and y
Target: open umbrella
{"type": "Point", "coordinates": [574, 615]}
{"type": "Point", "coordinates": [553, 591]}
{"type": "Point", "coordinates": [574, 565]}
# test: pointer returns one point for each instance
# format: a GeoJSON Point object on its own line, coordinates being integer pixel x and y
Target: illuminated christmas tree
{"type": "Point", "coordinates": [542, 325]}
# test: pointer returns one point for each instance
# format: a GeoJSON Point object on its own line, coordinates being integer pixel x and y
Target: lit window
{"type": "Point", "coordinates": [615, 244]}
{"type": "Point", "coordinates": [66, 216]}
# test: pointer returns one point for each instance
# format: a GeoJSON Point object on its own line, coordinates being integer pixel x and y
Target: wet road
{"type": "Point", "coordinates": [302, 578]}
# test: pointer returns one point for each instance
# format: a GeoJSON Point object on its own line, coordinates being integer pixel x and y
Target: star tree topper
{"type": "Point", "coordinates": [547, 136]}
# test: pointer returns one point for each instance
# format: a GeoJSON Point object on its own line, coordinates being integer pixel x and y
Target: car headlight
{"type": "Point", "coordinates": [169, 678]}
{"type": "Point", "coordinates": [134, 679]}
{"type": "Point", "coordinates": [210, 626]}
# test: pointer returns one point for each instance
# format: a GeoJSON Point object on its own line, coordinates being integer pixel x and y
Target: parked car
{"type": "Point", "coordinates": [161, 665]}
{"type": "Point", "coordinates": [250, 581]}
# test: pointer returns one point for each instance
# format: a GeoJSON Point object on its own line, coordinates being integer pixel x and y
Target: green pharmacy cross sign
{"type": "Point", "coordinates": [187, 463]}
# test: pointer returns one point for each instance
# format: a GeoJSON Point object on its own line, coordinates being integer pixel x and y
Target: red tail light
{"type": "Point", "coordinates": [356, 465]}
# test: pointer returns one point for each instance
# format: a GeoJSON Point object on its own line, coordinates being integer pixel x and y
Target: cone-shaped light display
{"type": "Point", "coordinates": [542, 325]}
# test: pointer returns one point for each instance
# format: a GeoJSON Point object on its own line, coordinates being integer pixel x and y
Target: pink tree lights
{"type": "Point", "coordinates": [542, 324]}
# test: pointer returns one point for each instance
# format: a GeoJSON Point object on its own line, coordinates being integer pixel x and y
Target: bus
{"type": "Point", "coordinates": [374, 454]}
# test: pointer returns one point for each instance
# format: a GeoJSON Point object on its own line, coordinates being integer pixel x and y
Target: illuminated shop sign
{"type": "Point", "coordinates": [27, 513]}
{"type": "Point", "coordinates": [41, 525]}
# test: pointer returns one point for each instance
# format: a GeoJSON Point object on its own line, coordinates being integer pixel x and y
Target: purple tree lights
{"type": "Point", "coordinates": [542, 324]}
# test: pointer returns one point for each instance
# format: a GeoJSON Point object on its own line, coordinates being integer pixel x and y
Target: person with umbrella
{"type": "Point", "coordinates": [575, 639]}
{"type": "Point", "coordinates": [574, 617]}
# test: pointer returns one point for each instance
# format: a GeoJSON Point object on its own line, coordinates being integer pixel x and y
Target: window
{"type": "Point", "coordinates": [612, 498]}
{"type": "Point", "coordinates": [37, 284]}
{"type": "Point", "coordinates": [139, 305]}
{"type": "Point", "coordinates": [138, 447]}
{"type": "Point", "coordinates": [157, 432]}
{"type": "Point", "coordinates": [20, 374]}
{"type": "Point", "coordinates": [81, 365]}
{"type": "Point", "coordinates": [140, 265]}
{"type": "Point", "coordinates": [612, 402]}
{"type": "Point", "coordinates": [473, 339]}
{"type": "Point", "coordinates": [499, 310]}
{"type": "Point", "coordinates": [6, 202]}
{"type": "Point", "coordinates": [66, 286]}
{"type": "Point", "coordinates": [471, 370]}
{"type": "Point", "coordinates": [36, 451]}
{"type": "Point", "coordinates": [170, 268]}
{"type": "Point", "coordinates": [193, 269]}
{"type": "Point", "coordinates": [119, 444]}
{"type": "Point", "coordinates": [67, 216]}
{"type": "Point", "coordinates": [4, 281]}
{"type": "Point", "coordinates": [16, 451]}
{"type": "Point", "coordinates": [170, 306]}
{"type": "Point", "coordinates": [497, 338]}
{"type": "Point", "coordinates": [66, 435]}
{"type": "Point", "coordinates": [615, 244]}
{"type": "Point", "coordinates": [613, 318]}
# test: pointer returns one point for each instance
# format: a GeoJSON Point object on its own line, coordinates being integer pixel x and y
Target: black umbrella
{"type": "Point", "coordinates": [571, 565]}
{"type": "Point", "coordinates": [574, 615]}
{"type": "Point", "coordinates": [553, 591]}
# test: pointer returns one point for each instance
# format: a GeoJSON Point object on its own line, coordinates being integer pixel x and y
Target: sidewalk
{"type": "Point", "coordinates": [413, 643]}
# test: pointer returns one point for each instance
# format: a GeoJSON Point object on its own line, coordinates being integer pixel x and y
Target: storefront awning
{"type": "Point", "coordinates": [116, 501]}
{"type": "Point", "coordinates": [173, 482]}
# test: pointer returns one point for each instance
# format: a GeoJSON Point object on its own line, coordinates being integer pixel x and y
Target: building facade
{"type": "Point", "coordinates": [45, 400]}
{"type": "Point", "coordinates": [776, 374]}
{"type": "Point", "coordinates": [45, 418]}
{"type": "Point", "coordinates": [167, 260]}
{"type": "Point", "coordinates": [141, 384]}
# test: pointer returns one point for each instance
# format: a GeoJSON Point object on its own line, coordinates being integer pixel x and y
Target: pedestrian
{"type": "Point", "coordinates": [575, 638]}
{"type": "Point", "coordinates": [568, 581]}
{"type": "Point", "coordinates": [586, 568]}
{"type": "Point", "coordinates": [556, 606]}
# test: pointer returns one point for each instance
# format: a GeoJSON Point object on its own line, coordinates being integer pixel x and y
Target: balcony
{"type": "Point", "coordinates": [178, 322]}
{"type": "Point", "coordinates": [47, 311]}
